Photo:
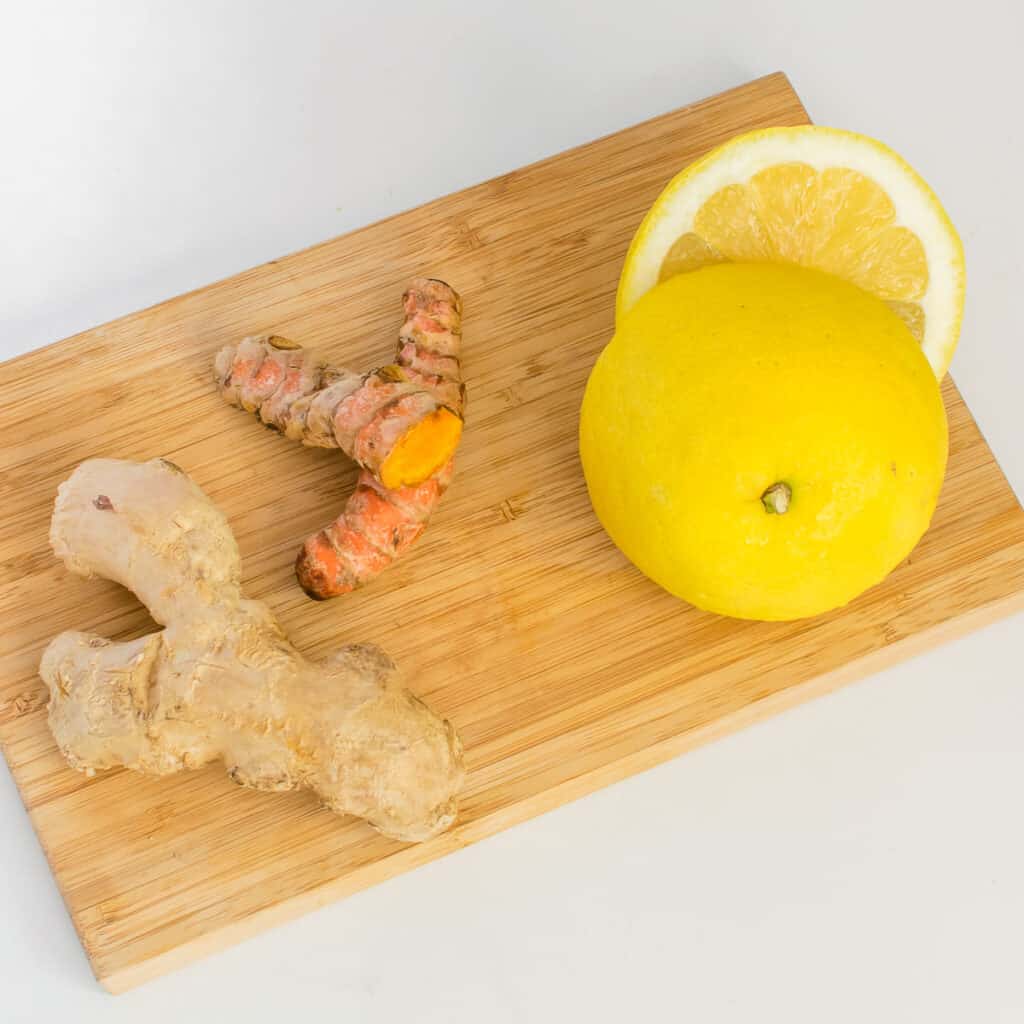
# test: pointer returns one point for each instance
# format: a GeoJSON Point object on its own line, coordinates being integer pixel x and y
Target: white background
{"type": "Point", "coordinates": [859, 859]}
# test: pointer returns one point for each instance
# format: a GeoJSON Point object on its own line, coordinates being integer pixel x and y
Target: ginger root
{"type": "Point", "coordinates": [220, 681]}
{"type": "Point", "coordinates": [400, 423]}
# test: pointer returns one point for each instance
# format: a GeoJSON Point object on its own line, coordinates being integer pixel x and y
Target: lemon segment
{"type": "Point", "coordinates": [816, 197]}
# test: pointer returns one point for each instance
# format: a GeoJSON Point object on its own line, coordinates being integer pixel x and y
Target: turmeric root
{"type": "Point", "coordinates": [220, 681]}
{"type": "Point", "coordinates": [400, 423]}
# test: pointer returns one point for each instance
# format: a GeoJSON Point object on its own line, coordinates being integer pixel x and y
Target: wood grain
{"type": "Point", "coordinates": [562, 667]}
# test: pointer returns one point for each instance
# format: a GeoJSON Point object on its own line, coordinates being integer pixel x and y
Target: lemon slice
{"type": "Point", "coordinates": [818, 197]}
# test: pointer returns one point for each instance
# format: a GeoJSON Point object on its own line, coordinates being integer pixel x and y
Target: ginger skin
{"type": "Point", "coordinates": [220, 681]}
{"type": "Point", "coordinates": [401, 423]}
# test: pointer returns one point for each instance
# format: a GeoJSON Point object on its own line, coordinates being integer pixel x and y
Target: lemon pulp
{"type": "Point", "coordinates": [816, 197]}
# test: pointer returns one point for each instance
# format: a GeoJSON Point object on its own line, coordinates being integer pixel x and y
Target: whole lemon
{"type": "Point", "coordinates": [763, 440]}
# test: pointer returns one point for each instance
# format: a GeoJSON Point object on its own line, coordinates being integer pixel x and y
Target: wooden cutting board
{"type": "Point", "coordinates": [562, 667]}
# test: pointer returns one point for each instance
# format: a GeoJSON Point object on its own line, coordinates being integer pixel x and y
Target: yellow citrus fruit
{"type": "Point", "coordinates": [763, 440]}
{"type": "Point", "coordinates": [817, 197]}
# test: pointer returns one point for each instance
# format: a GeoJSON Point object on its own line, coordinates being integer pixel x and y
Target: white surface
{"type": "Point", "coordinates": [859, 859]}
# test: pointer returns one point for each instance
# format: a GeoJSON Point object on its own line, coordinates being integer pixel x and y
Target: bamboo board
{"type": "Point", "coordinates": [562, 667]}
